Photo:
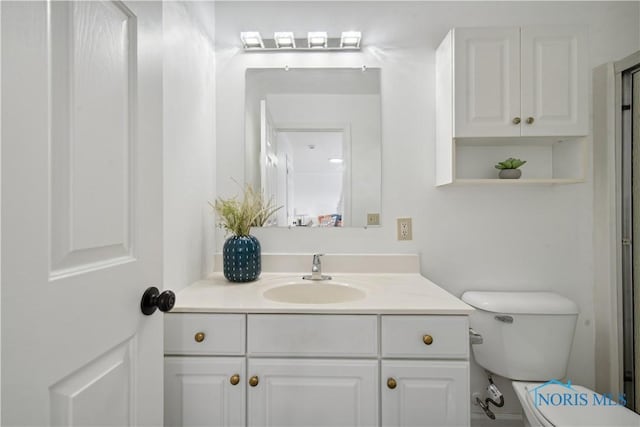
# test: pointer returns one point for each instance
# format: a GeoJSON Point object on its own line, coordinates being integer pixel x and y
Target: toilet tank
{"type": "Point", "coordinates": [527, 336]}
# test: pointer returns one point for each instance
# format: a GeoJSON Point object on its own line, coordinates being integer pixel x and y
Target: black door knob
{"type": "Point", "coordinates": [152, 300]}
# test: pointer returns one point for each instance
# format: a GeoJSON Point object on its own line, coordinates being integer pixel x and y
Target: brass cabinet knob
{"type": "Point", "coordinates": [235, 379]}
{"type": "Point", "coordinates": [199, 337]}
{"type": "Point", "coordinates": [530, 120]}
{"type": "Point", "coordinates": [427, 339]}
{"type": "Point", "coordinates": [392, 383]}
{"type": "Point", "coordinates": [516, 120]}
{"type": "Point", "coordinates": [253, 381]}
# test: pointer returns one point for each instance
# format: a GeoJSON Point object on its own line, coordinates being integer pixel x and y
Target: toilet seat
{"type": "Point", "coordinates": [571, 415]}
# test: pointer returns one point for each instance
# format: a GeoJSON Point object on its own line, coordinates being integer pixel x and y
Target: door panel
{"type": "Point", "coordinates": [554, 81]}
{"type": "Point", "coordinates": [107, 380]}
{"type": "Point", "coordinates": [487, 81]}
{"type": "Point", "coordinates": [81, 203]}
{"type": "Point", "coordinates": [93, 71]}
{"type": "Point", "coordinates": [322, 393]}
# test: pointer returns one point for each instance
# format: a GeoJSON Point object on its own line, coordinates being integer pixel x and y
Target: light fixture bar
{"type": "Point", "coordinates": [350, 39]}
{"type": "Point", "coordinates": [251, 40]}
{"type": "Point", "coordinates": [284, 40]}
{"type": "Point", "coordinates": [317, 39]}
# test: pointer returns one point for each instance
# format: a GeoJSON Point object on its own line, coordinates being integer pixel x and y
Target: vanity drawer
{"type": "Point", "coordinates": [435, 337]}
{"type": "Point", "coordinates": [222, 334]}
{"type": "Point", "coordinates": [312, 335]}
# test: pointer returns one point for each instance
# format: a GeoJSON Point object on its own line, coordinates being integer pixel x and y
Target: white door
{"type": "Point", "coordinates": [433, 393]}
{"type": "Point", "coordinates": [487, 82]}
{"type": "Point", "coordinates": [81, 212]}
{"type": "Point", "coordinates": [554, 81]}
{"type": "Point", "coordinates": [204, 391]}
{"type": "Point", "coordinates": [322, 393]}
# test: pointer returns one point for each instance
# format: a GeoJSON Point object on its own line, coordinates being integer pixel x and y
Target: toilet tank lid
{"type": "Point", "coordinates": [520, 302]}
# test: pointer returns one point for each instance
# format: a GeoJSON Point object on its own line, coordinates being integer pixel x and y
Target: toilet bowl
{"type": "Point", "coordinates": [517, 345]}
{"type": "Point", "coordinates": [585, 413]}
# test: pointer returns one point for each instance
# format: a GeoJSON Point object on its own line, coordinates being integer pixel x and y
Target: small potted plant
{"type": "Point", "coordinates": [509, 168]}
{"type": "Point", "coordinates": [241, 251]}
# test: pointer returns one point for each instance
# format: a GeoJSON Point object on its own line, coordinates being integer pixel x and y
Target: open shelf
{"type": "Point", "coordinates": [550, 160]}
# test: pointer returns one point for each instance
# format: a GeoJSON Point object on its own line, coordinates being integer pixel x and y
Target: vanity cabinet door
{"type": "Point", "coordinates": [425, 393]}
{"type": "Point", "coordinates": [487, 82]}
{"type": "Point", "coordinates": [312, 392]}
{"type": "Point", "coordinates": [554, 81]}
{"type": "Point", "coordinates": [204, 391]}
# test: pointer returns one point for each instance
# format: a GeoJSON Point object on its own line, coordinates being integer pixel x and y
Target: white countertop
{"type": "Point", "coordinates": [386, 293]}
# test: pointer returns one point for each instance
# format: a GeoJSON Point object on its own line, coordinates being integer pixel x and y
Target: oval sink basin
{"type": "Point", "coordinates": [314, 293]}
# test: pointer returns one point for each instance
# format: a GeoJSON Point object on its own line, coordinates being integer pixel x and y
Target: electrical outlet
{"type": "Point", "coordinates": [404, 229]}
{"type": "Point", "coordinates": [373, 219]}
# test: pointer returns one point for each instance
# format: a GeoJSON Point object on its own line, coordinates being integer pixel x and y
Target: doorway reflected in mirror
{"type": "Point", "coordinates": [313, 144]}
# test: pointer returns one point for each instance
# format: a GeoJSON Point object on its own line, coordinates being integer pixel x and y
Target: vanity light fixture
{"type": "Point", "coordinates": [350, 39]}
{"type": "Point", "coordinates": [317, 39]}
{"type": "Point", "coordinates": [284, 40]}
{"type": "Point", "coordinates": [251, 40]}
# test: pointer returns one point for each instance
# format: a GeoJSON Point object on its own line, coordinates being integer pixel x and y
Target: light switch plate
{"type": "Point", "coordinates": [373, 219]}
{"type": "Point", "coordinates": [405, 231]}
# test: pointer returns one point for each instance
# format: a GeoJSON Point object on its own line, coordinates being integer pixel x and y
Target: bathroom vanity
{"type": "Point", "coordinates": [395, 353]}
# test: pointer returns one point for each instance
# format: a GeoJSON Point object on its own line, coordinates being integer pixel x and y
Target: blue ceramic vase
{"type": "Point", "coordinates": [241, 259]}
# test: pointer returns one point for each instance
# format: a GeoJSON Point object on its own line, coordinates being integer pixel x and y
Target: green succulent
{"type": "Point", "coordinates": [239, 215]}
{"type": "Point", "coordinates": [510, 163]}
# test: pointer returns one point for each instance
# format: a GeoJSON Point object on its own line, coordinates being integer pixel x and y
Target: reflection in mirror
{"type": "Point", "coordinates": [313, 144]}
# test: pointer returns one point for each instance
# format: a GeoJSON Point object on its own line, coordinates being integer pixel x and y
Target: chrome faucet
{"type": "Point", "coordinates": [316, 270]}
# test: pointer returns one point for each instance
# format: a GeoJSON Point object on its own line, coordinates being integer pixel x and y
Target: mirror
{"type": "Point", "coordinates": [312, 143]}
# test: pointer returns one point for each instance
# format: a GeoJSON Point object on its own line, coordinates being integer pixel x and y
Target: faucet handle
{"type": "Point", "coordinates": [316, 257]}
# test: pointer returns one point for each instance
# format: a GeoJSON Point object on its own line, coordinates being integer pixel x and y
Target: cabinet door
{"type": "Point", "coordinates": [487, 82]}
{"type": "Point", "coordinates": [425, 393]}
{"type": "Point", "coordinates": [310, 392]}
{"type": "Point", "coordinates": [554, 81]}
{"type": "Point", "coordinates": [198, 391]}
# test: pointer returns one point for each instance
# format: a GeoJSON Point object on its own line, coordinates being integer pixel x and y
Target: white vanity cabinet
{"type": "Point", "coordinates": [512, 92]}
{"type": "Point", "coordinates": [316, 370]}
{"type": "Point", "coordinates": [424, 371]}
{"type": "Point", "coordinates": [204, 370]}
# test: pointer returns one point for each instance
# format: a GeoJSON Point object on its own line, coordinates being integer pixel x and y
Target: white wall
{"type": "Point", "coordinates": [469, 237]}
{"type": "Point", "coordinates": [189, 141]}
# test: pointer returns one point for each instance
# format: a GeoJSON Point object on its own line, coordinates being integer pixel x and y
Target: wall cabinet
{"type": "Point", "coordinates": [303, 369]}
{"type": "Point", "coordinates": [499, 85]}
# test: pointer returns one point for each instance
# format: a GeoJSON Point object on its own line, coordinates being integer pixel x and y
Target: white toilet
{"type": "Point", "coordinates": [527, 338]}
